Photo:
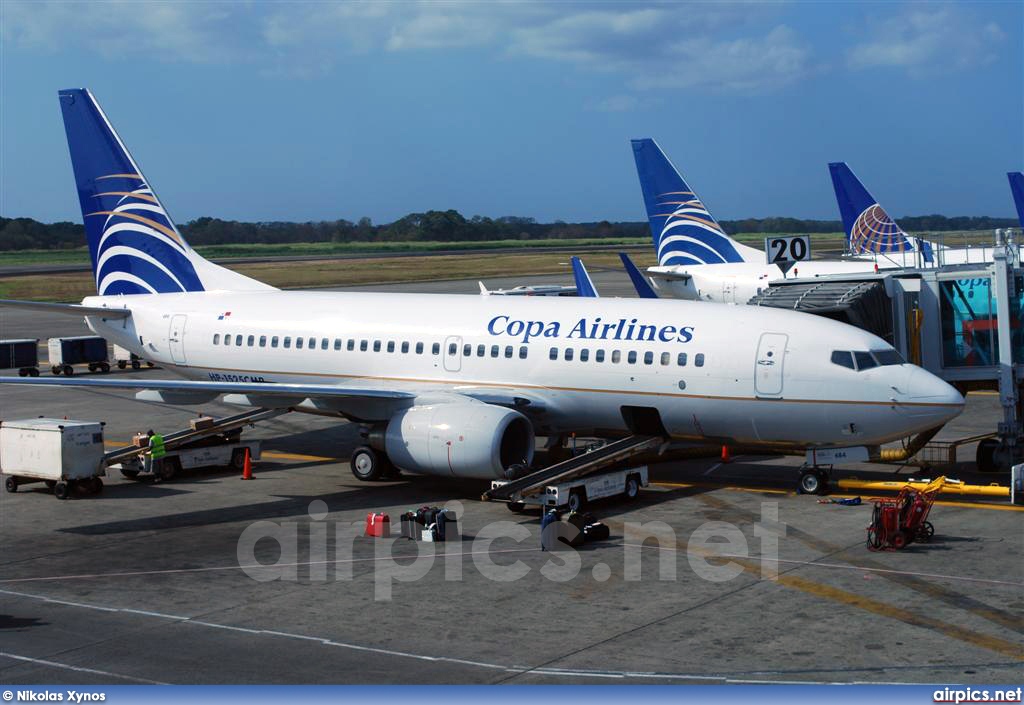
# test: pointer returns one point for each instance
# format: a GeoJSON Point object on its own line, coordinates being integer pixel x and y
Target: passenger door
{"type": "Point", "coordinates": [176, 337]}
{"type": "Point", "coordinates": [768, 370]}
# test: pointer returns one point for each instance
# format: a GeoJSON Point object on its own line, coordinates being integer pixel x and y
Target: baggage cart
{"type": "Point", "coordinates": [124, 358]}
{"type": "Point", "coordinates": [21, 355]}
{"type": "Point", "coordinates": [90, 350]}
{"type": "Point", "coordinates": [62, 453]}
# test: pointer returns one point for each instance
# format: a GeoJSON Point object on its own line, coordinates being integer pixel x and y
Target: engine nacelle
{"type": "Point", "coordinates": [459, 440]}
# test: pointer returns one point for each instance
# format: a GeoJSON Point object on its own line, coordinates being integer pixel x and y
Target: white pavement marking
{"type": "Point", "coordinates": [80, 669]}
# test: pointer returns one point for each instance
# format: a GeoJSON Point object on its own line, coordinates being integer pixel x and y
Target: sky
{"type": "Point", "coordinates": [306, 111]}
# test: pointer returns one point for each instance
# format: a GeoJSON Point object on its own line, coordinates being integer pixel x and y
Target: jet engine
{"type": "Point", "coordinates": [458, 440]}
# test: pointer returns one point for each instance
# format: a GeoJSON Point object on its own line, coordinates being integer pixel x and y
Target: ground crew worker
{"type": "Point", "coordinates": [156, 453]}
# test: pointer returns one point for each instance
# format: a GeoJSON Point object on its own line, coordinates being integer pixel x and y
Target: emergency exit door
{"type": "Point", "coordinates": [768, 370]}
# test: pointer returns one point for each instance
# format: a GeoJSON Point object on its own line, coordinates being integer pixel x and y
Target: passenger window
{"type": "Point", "coordinates": [508, 351]}
{"type": "Point", "coordinates": [616, 357]}
{"type": "Point", "coordinates": [216, 338]}
{"type": "Point", "coordinates": [227, 339]}
{"type": "Point", "coordinates": [568, 354]}
{"type": "Point", "coordinates": [298, 343]}
{"type": "Point", "coordinates": [273, 342]}
{"type": "Point", "coordinates": [405, 346]}
{"type": "Point", "coordinates": [698, 360]}
{"type": "Point", "coordinates": [351, 344]}
{"type": "Point", "coordinates": [324, 343]}
{"type": "Point", "coordinates": [584, 355]}
{"type": "Point", "coordinates": [419, 348]}
{"type": "Point", "coordinates": [481, 350]}
{"type": "Point", "coordinates": [523, 351]}
{"type": "Point", "coordinates": [467, 350]}
{"type": "Point", "coordinates": [363, 345]}
{"type": "Point", "coordinates": [452, 348]}
{"type": "Point", "coordinates": [666, 358]}
{"type": "Point", "coordinates": [681, 360]}
{"type": "Point", "coordinates": [864, 360]}
{"type": "Point", "coordinates": [312, 344]}
{"type": "Point", "coordinates": [599, 356]}
{"type": "Point", "coordinates": [251, 341]}
{"type": "Point", "coordinates": [436, 348]}
{"type": "Point", "coordinates": [376, 346]}
{"type": "Point", "coordinates": [553, 354]}
{"type": "Point", "coordinates": [494, 351]}
{"type": "Point", "coordinates": [337, 343]}
{"type": "Point", "coordinates": [263, 341]}
{"type": "Point", "coordinates": [238, 340]}
{"type": "Point", "coordinates": [287, 341]}
{"type": "Point", "coordinates": [631, 357]}
{"type": "Point", "coordinates": [391, 346]}
{"type": "Point", "coordinates": [648, 358]}
{"type": "Point", "coordinates": [843, 358]}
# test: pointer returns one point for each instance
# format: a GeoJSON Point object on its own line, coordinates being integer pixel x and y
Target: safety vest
{"type": "Point", "coordinates": [156, 446]}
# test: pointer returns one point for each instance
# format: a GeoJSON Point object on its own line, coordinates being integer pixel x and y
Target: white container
{"type": "Point", "coordinates": [51, 449]}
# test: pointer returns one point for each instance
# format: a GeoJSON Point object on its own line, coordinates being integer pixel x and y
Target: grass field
{"type": "Point", "coordinates": [325, 273]}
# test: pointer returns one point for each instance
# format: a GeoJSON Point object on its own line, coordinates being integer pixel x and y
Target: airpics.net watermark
{"type": "Point", "coordinates": [716, 551]}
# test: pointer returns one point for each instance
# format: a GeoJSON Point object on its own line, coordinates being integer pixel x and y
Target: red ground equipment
{"type": "Point", "coordinates": [897, 522]}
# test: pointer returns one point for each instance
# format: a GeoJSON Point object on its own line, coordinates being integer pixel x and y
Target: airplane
{"type": "Point", "coordinates": [870, 231]}
{"type": "Point", "coordinates": [697, 260]}
{"type": "Point", "coordinates": [458, 386]}
{"type": "Point", "coordinates": [534, 290]}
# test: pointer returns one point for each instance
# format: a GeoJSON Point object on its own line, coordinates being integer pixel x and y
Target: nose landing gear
{"type": "Point", "coordinates": [813, 480]}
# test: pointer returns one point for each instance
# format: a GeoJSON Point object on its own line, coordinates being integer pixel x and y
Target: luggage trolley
{"type": "Point", "coordinates": [897, 522]}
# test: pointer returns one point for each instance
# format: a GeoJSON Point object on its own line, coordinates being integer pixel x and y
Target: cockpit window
{"type": "Point", "coordinates": [864, 360]}
{"type": "Point", "coordinates": [888, 357]}
{"type": "Point", "coordinates": [843, 358]}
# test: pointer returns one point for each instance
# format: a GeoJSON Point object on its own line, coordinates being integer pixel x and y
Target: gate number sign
{"type": "Point", "coordinates": [780, 250]}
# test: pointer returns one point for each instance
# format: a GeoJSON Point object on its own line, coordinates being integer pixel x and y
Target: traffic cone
{"type": "Point", "coordinates": [247, 466]}
{"type": "Point", "coordinates": [726, 458]}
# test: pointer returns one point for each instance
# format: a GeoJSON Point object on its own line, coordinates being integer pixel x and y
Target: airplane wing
{"type": "Point", "coordinates": [69, 309]}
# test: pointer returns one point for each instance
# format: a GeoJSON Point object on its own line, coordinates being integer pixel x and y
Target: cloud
{"type": "Point", "coordinates": [652, 45]}
{"type": "Point", "coordinates": [927, 39]}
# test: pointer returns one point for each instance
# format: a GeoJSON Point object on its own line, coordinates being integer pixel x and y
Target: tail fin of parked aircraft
{"type": "Point", "coordinates": [683, 230]}
{"type": "Point", "coordinates": [643, 288]}
{"type": "Point", "coordinates": [1017, 187]}
{"type": "Point", "coordinates": [869, 229]}
{"type": "Point", "coordinates": [134, 245]}
{"type": "Point", "coordinates": [584, 285]}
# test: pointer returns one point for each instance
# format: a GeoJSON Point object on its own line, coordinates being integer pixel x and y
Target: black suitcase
{"type": "Point", "coordinates": [410, 529]}
{"type": "Point", "coordinates": [596, 532]}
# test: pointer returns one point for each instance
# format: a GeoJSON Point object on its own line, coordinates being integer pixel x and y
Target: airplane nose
{"type": "Point", "coordinates": [925, 388]}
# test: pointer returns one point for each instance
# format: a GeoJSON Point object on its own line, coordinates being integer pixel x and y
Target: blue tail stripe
{"type": "Point", "coordinates": [669, 200]}
{"type": "Point", "coordinates": [673, 260]}
{"type": "Point", "coordinates": [1017, 188]}
{"type": "Point", "coordinates": [106, 177]}
{"type": "Point", "coordinates": [584, 286]}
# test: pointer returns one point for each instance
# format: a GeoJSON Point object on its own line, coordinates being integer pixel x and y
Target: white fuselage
{"type": "Point", "coordinates": [747, 375]}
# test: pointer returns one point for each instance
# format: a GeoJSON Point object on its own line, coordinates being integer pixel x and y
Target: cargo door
{"type": "Point", "coordinates": [176, 337]}
{"type": "Point", "coordinates": [453, 353]}
{"type": "Point", "coordinates": [771, 357]}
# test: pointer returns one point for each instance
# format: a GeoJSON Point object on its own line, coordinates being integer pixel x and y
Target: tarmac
{"type": "Point", "coordinates": [718, 573]}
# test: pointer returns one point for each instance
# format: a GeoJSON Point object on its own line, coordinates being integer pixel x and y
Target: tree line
{"type": "Point", "coordinates": [443, 226]}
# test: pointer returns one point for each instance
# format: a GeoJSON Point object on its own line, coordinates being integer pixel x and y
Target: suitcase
{"type": "Point", "coordinates": [378, 525]}
{"type": "Point", "coordinates": [201, 424]}
{"type": "Point", "coordinates": [410, 529]}
{"type": "Point", "coordinates": [447, 526]}
{"type": "Point", "coordinates": [546, 534]}
{"type": "Point", "coordinates": [140, 440]}
{"type": "Point", "coordinates": [596, 532]}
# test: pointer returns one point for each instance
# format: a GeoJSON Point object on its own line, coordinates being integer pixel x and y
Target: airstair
{"type": "Point", "coordinates": [578, 466]}
{"type": "Point", "coordinates": [188, 435]}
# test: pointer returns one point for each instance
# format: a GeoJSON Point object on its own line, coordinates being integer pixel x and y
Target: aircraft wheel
{"type": "Point", "coordinates": [367, 464]}
{"type": "Point", "coordinates": [812, 481]}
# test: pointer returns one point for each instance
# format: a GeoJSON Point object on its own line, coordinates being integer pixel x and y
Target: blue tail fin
{"type": "Point", "coordinates": [868, 227]}
{"type": "Point", "coordinates": [683, 230]}
{"type": "Point", "coordinates": [134, 245]}
{"type": "Point", "coordinates": [584, 286]}
{"type": "Point", "coordinates": [1017, 187]}
{"type": "Point", "coordinates": [643, 289]}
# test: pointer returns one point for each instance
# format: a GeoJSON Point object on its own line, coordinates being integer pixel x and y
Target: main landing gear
{"type": "Point", "coordinates": [369, 464]}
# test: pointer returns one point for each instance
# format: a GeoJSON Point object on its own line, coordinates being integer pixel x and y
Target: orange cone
{"type": "Point", "coordinates": [247, 467]}
{"type": "Point", "coordinates": [726, 458]}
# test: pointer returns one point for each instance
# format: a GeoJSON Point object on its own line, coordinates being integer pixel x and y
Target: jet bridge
{"type": "Point", "coordinates": [962, 323]}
